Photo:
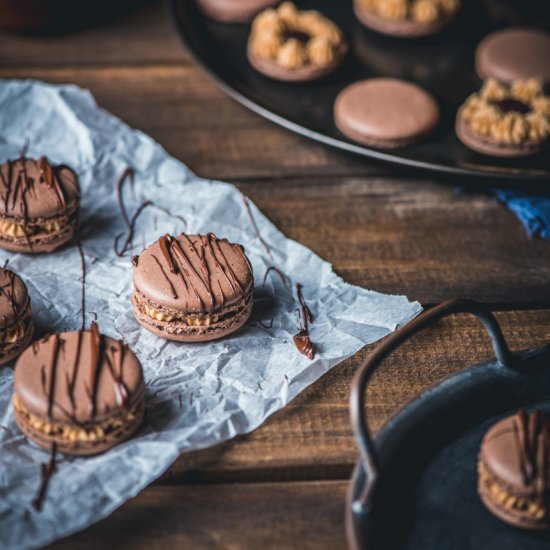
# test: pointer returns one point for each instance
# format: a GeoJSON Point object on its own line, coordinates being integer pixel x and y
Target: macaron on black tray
{"type": "Point", "coordinates": [415, 485]}
{"type": "Point", "coordinates": [442, 64]}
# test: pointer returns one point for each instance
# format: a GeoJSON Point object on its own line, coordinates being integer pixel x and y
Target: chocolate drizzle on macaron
{"type": "Point", "coordinates": [39, 206]}
{"type": "Point", "coordinates": [16, 326]}
{"type": "Point", "coordinates": [193, 287]}
{"type": "Point", "coordinates": [81, 390]}
{"type": "Point", "coordinates": [514, 470]}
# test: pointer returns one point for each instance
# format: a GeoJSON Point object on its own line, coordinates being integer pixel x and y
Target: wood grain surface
{"type": "Point", "coordinates": [284, 485]}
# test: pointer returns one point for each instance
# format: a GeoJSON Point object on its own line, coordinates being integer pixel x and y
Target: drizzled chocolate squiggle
{"type": "Point", "coordinates": [129, 176]}
{"type": "Point", "coordinates": [190, 265]}
{"type": "Point", "coordinates": [302, 339]}
{"type": "Point", "coordinates": [532, 432]}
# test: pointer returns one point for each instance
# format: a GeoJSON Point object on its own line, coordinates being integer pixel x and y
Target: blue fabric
{"type": "Point", "coordinates": [532, 210]}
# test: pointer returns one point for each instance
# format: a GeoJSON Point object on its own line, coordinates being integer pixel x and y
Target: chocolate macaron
{"type": "Point", "coordinates": [16, 326]}
{"type": "Point", "coordinates": [234, 11]}
{"type": "Point", "coordinates": [406, 18]}
{"type": "Point", "coordinates": [192, 288]}
{"type": "Point", "coordinates": [514, 470]}
{"type": "Point", "coordinates": [385, 112]}
{"type": "Point", "coordinates": [506, 120]}
{"type": "Point", "coordinates": [39, 205]}
{"type": "Point", "coordinates": [81, 390]}
{"type": "Point", "coordinates": [295, 46]}
{"type": "Point", "coordinates": [517, 53]}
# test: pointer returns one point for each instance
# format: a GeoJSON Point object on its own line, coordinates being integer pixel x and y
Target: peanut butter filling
{"type": "Point", "coordinates": [532, 508]}
{"type": "Point", "coordinates": [10, 335]}
{"type": "Point", "coordinates": [17, 230]}
{"type": "Point", "coordinates": [421, 11]}
{"type": "Point", "coordinates": [510, 115]}
{"type": "Point", "coordinates": [293, 38]}
{"type": "Point", "coordinates": [74, 433]}
{"type": "Point", "coordinates": [191, 320]}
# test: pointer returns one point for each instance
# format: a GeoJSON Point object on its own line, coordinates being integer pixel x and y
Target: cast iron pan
{"type": "Point", "coordinates": [442, 64]}
{"type": "Point", "coordinates": [415, 486]}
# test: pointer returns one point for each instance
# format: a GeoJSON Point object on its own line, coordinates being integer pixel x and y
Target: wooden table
{"type": "Point", "coordinates": [284, 485]}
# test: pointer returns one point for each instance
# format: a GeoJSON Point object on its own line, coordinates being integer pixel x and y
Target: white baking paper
{"type": "Point", "coordinates": [197, 394]}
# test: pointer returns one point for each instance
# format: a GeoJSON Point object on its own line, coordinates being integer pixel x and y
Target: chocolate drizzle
{"type": "Point", "coordinates": [53, 373]}
{"type": "Point", "coordinates": [49, 176]}
{"type": "Point", "coordinates": [83, 290]}
{"type": "Point", "coordinates": [129, 175]}
{"type": "Point", "coordinates": [46, 472]}
{"type": "Point", "coordinates": [302, 340]}
{"type": "Point", "coordinates": [246, 203]}
{"type": "Point", "coordinates": [532, 431]}
{"type": "Point", "coordinates": [281, 275]}
{"type": "Point", "coordinates": [97, 354]}
{"type": "Point", "coordinates": [512, 105]}
{"type": "Point", "coordinates": [181, 259]}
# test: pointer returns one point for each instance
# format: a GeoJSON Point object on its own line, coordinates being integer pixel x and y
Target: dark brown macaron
{"type": "Point", "coordinates": [16, 326]}
{"type": "Point", "coordinates": [234, 11]}
{"type": "Point", "coordinates": [192, 288]}
{"type": "Point", "coordinates": [81, 390]}
{"type": "Point", "coordinates": [295, 46]}
{"type": "Point", "coordinates": [514, 470]}
{"type": "Point", "coordinates": [506, 120]}
{"type": "Point", "coordinates": [514, 53]}
{"type": "Point", "coordinates": [385, 112]}
{"type": "Point", "coordinates": [39, 205]}
{"type": "Point", "coordinates": [406, 18]}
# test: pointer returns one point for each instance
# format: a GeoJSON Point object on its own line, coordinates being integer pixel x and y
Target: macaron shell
{"type": "Point", "coordinates": [14, 297]}
{"type": "Point", "coordinates": [209, 265]}
{"type": "Point", "coordinates": [385, 112]}
{"type": "Point", "coordinates": [35, 376]}
{"type": "Point", "coordinates": [307, 73]}
{"type": "Point", "coordinates": [181, 332]}
{"type": "Point", "coordinates": [400, 28]}
{"type": "Point", "coordinates": [82, 448]}
{"type": "Point", "coordinates": [514, 53]}
{"type": "Point", "coordinates": [485, 146]}
{"type": "Point", "coordinates": [234, 11]}
{"type": "Point", "coordinates": [42, 201]}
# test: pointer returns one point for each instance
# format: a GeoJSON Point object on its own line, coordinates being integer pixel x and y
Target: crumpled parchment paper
{"type": "Point", "coordinates": [197, 394]}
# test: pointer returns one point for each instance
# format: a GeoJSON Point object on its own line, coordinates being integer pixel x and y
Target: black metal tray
{"type": "Point", "coordinates": [442, 64]}
{"type": "Point", "coordinates": [415, 486]}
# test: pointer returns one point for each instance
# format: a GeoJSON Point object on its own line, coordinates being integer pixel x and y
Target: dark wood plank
{"type": "Point", "coordinates": [182, 109]}
{"type": "Point", "coordinates": [411, 237]}
{"type": "Point", "coordinates": [279, 515]}
{"type": "Point", "coordinates": [142, 36]}
{"type": "Point", "coordinates": [311, 438]}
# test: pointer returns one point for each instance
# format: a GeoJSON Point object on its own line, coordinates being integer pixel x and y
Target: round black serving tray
{"type": "Point", "coordinates": [443, 64]}
{"type": "Point", "coordinates": [415, 486]}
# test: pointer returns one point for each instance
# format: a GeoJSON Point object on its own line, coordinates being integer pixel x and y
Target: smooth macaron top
{"type": "Point", "coordinates": [193, 273]}
{"type": "Point", "coordinates": [14, 297]}
{"type": "Point", "coordinates": [514, 54]}
{"type": "Point", "coordinates": [516, 453]}
{"type": "Point", "coordinates": [37, 189]}
{"type": "Point", "coordinates": [386, 109]}
{"type": "Point", "coordinates": [78, 377]}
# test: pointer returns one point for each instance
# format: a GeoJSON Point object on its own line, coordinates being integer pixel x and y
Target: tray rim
{"type": "Point", "coordinates": [505, 175]}
{"type": "Point", "coordinates": [356, 520]}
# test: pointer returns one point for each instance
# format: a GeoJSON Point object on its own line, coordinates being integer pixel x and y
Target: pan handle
{"type": "Point", "coordinates": [369, 459]}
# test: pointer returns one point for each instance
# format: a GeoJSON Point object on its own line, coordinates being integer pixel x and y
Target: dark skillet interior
{"type": "Point", "coordinates": [442, 64]}
{"type": "Point", "coordinates": [427, 495]}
